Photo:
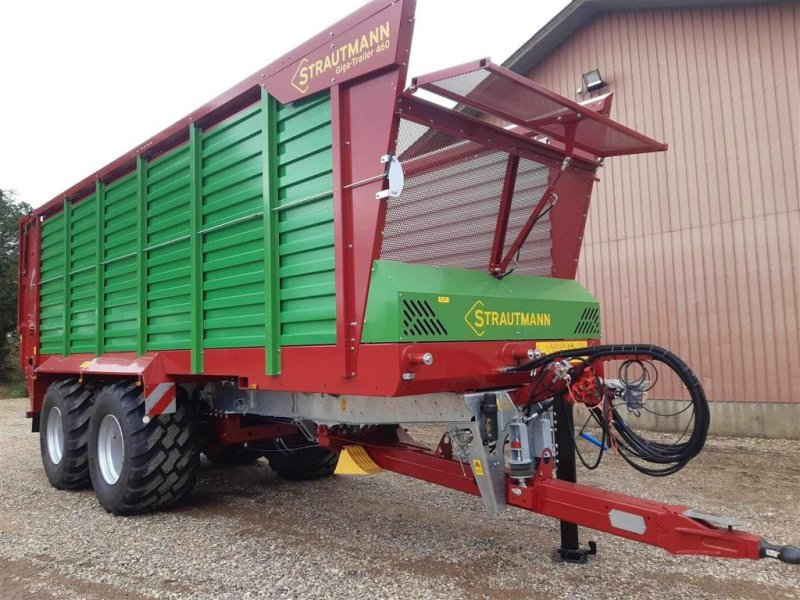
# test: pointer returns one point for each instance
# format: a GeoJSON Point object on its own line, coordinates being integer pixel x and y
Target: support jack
{"type": "Point", "coordinates": [576, 556]}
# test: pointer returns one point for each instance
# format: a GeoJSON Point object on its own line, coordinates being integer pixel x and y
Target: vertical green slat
{"type": "Point", "coordinates": [100, 195]}
{"type": "Point", "coordinates": [196, 275]}
{"type": "Point", "coordinates": [67, 279]}
{"type": "Point", "coordinates": [271, 258]}
{"type": "Point", "coordinates": [306, 232]}
{"type": "Point", "coordinates": [141, 255]}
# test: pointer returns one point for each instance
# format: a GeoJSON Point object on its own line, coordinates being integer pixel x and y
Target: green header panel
{"type": "Point", "coordinates": [425, 303]}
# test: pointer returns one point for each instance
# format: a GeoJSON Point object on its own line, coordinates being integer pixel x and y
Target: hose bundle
{"type": "Point", "coordinates": [636, 450]}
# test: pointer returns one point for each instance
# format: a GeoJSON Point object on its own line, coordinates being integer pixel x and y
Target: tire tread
{"type": "Point", "coordinates": [303, 464]}
{"type": "Point", "coordinates": [164, 455]}
{"type": "Point", "coordinates": [78, 400]}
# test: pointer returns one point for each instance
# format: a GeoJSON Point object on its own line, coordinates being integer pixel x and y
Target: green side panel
{"type": "Point", "coordinates": [305, 222]}
{"type": "Point", "coordinates": [233, 232]}
{"type": "Point", "coordinates": [168, 261]}
{"type": "Point", "coordinates": [51, 288]}
{"type": "Point", "coordinates": [425, 303]}
{"type": "Point", "coordinates": [83, 276]}
{"type": "Point", "coordinates": [176, 255]}
{"type": "Point", "coordinates": [120, 300]}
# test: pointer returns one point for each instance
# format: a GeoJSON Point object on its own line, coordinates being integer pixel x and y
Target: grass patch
{"type": "Point", "coordinates": [13, 390]}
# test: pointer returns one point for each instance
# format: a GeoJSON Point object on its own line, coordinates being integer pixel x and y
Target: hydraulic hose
{"type": "Point", "coordinates": [668, 458]}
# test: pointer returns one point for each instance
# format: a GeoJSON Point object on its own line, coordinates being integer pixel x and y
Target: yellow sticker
{"type": "Point", "coordinates": [85, 364]}
{"type": "Point", "coordinates": [550, 347]}
{"type": "Point", "coordinates": [444, 299]}
{"type": "Point", "coordinates": [343, 404]}
{"type": "Point", "coordinates": [477, 467]}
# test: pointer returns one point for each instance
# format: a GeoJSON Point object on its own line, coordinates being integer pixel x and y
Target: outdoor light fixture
{"type": "Point", "coordinates": [593, 80]}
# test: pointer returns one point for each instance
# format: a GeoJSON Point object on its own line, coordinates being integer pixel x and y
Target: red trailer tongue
{"type": "Point", "coordinates": [530, 479]}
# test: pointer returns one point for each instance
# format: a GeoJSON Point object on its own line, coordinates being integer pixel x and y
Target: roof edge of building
{"type": "Point", "coordinates": [578, 12]}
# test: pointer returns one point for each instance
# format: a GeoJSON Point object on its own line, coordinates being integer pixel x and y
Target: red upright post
{"type": "Point", "coordinates": [503, 213]}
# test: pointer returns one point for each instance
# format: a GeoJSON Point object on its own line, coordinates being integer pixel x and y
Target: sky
{"type": "Point", "coordinates": [82, 82]}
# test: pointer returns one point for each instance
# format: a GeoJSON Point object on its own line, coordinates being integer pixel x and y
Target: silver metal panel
{"type": "Point", "coordinates": [325, 409]}
{"type": "Point", "coordinates": [446, 216]}
{"type": "Point", "coordinates": [541, 435]}
{"type": "Point", "coordinates": [487, 461]}
{"type": "Point", "coordinates": [627, 521]}
{"type": "Point", "coordinates": [716, 520]}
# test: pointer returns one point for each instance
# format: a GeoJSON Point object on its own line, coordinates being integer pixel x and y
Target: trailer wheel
{"type": "Point", "coordinates": [301, 462]}
{"type": "Point", "coordinates": [137, 466]}
{"type": "Point", "coordinates": [235, 454]}
{"type": "Point", "coordinates": [64, 433]}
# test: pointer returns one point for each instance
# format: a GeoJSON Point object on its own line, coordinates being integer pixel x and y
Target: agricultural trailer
{"type": "Point", "coordinates": [323, 253]}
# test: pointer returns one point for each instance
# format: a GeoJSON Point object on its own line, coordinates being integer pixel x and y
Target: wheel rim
{"type": "Point", "coordinates": [55, 435]}
{"type": "Point", "coordinates": [110, 449]}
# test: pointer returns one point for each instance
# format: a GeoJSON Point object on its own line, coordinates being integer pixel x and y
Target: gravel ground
{"type": "Point", "coordinates": [247, 534]}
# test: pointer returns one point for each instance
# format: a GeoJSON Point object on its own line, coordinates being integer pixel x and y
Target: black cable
{"type": "Point", "coordinates": [669, 457]}
{"type": "Point", "coordinates": [600, 452]}
{"type": "Point", "coordinates": [674, 414]}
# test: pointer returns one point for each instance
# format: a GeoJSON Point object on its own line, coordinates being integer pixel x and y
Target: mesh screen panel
{"type": "Point", "coordinates": [567, 220]}
{"type": "Point", "coordinates": [447, 213]}
{"type": "Point", "coordinates": [497, 93]}
{"type": "Point", "coordinates": [501, 93]}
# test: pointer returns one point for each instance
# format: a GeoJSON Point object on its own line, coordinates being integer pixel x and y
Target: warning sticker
{"type": "Point", "coordinates": [477, 467]}
{"type": "Point", "coordinates": [550, 347]}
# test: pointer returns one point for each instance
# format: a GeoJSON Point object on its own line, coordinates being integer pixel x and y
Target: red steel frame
{"type": "Point", "coordinates": [503, 214]}
{"type": "Point", "coordinates": [373, 91]}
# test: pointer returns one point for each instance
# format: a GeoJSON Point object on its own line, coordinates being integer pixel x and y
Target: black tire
{"type": "Point", "coordinates": [235, 454]}
{"type": "Point", "coordinates": [74, 402]}
{"type": "Point", "coordinates": [160, 459]}
{"type": "Point", "coordinates": [301, 463]}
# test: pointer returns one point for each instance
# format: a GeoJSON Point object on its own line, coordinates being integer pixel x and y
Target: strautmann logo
{"type": "Point", "coordinates": [340, 60]}
{"type": "Point", "coordinates": [480, 318]}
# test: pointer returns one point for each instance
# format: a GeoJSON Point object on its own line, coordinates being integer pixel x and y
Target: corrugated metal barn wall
{"type": "Point", "coordinates": [698, 249]}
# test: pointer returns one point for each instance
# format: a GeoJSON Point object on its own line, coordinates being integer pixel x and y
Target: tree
{"type": "Point", "coordinates": [11, 210]}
